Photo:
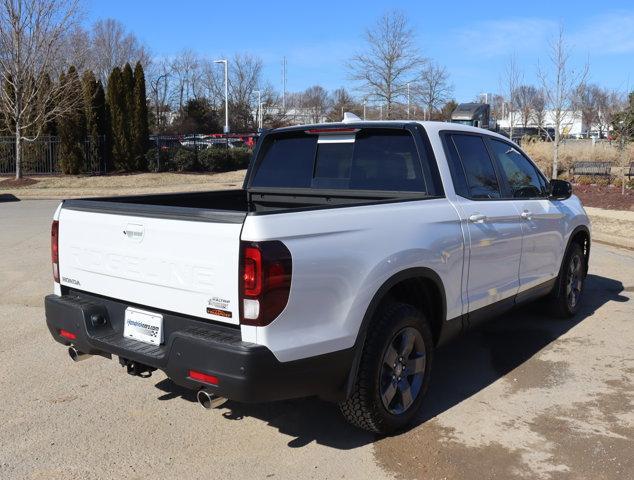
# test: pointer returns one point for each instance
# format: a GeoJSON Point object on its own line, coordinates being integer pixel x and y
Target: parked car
{"type": "Point", "coordinates": [351, 253]}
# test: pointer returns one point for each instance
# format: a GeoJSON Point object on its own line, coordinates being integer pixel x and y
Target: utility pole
{"type": "Point", "coordinates": [364, 102]}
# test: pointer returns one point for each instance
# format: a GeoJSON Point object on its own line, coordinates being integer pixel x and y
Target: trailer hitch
{"type": "Point", "coordinates": [136, 369]}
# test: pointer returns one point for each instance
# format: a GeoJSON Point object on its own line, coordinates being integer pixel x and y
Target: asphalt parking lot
{"type": "Point", "coordinates": [527, 396]}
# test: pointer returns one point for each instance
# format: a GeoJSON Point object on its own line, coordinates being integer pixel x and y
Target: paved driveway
{"type": "Point", "coordinates": [524, 397]}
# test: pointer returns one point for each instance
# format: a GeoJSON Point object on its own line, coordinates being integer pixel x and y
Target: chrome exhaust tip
{"type": "Point", "coordinates": [209, 400]}
{"type": "Point", "coordinates": [76, 355]}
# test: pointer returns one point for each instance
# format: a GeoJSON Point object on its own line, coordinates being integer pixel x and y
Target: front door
{"type": "Point", "coordinates": [542, 220]}
{"type": "Point", "coordinates": [493, 224]}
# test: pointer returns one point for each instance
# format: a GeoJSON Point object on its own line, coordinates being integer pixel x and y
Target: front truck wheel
{"type": "Point", "coordinates": [393, 374]}
{"type": "Point", "coordinates": [566, 297]}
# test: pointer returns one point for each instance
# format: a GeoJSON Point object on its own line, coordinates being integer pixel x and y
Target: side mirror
{"type": "Point", "coordinates": [560, 190]}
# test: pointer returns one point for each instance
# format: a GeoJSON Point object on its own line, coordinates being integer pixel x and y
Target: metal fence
{"type": "Point", "coordinates": [42, 156]}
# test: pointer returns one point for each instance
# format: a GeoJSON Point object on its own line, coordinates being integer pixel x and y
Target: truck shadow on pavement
{"type": "Point", "coordinates": [461, 369]}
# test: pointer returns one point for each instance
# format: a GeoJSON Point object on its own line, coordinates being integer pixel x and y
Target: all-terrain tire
{"type": "Point", "coordinates": [572, 275]}
{"type": "Point", "coordinates": [365, 407]}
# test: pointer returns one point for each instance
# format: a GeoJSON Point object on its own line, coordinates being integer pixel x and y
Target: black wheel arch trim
{"type": "Point", "coordinates": [379, 296]}
{"type": "Point", "coordinates": [573, 234]}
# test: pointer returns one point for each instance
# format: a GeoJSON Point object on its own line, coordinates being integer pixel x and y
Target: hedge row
{"type": "Point", "coordinates": [213, 159]}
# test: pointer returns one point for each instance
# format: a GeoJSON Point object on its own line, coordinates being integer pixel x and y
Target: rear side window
{"type": "Point", "coordinates": [522, 176]}
{"type": "Point", "coordinates": [287, 162]}
{"type": "Point", "coordinates": [479, 174]}
{"type": "Point", "coordinates": [371, 159]}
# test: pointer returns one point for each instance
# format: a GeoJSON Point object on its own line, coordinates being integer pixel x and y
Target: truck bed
{"type": "Point", "coordinates": [226, 206]}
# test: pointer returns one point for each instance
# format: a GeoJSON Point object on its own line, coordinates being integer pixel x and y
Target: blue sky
{"type": "Point", "coordinates": [472, 39]}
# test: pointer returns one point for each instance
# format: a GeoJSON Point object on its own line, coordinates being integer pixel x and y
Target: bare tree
{"type": "Point", "coordinates": [510, 81]}
{"type": "Point", "coordinates": [525, 97]}
{"type": "Point", "coordinates": [539, 113]}
{"type": "Point", "coordinates": [623, 130]}
{"type": "Point", "coordinates": [316, 101]}
{"type": "Point", "coordinates": [159, 81]}
{"type": "Point", "coordinates": [186, 74]}
{"type": "Point", "coordinates": [609, 103]}
{"type": "Point", "coordinates": [558, 86]}
{"type": "Point", "coordinates": [245, 77]}
{"type": "Point", "coordinates": [433, 88]}
{"type": "Point", "coordinates": [586, 99]}
{"type": "Point", "coordinates": [112, 46]}
{"type": "Point", "coordinates": [342, 102]}
{"type": "Point", "coordinates": [31, 39]}
{"type": "Point", "coordinates": [390, 60]}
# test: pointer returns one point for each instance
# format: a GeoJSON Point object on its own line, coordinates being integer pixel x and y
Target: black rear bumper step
{"type": "Point", "coordinates": [246, 371]}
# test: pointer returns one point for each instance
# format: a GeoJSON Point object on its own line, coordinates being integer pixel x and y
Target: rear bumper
{"type": "Point", "coordinates": [246, 372]}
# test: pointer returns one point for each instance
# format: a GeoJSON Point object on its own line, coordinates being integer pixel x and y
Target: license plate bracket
{"type": "Point", "coordinates": [143, 326]}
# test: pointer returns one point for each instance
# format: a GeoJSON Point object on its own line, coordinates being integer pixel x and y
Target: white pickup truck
{"type": "Point", "coordinates": [352, 251]}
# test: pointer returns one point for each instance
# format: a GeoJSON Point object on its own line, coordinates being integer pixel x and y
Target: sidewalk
{"type": "Point", "coordinates": [614, 227]}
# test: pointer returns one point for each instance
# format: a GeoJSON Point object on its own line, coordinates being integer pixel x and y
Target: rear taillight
{"type": "Point", "coordinates": [265, 274]}
{"type": "Point", "coordinates": [55, 249]}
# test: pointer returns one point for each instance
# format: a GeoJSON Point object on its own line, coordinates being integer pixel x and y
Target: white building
{"type": "Point", "coordinates": [572, 124]}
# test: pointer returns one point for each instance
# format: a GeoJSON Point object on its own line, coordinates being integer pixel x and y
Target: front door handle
{"type": "Point", "coordinates": [477, 218]}
{"type": "Point", "coordinates": [526, 215]}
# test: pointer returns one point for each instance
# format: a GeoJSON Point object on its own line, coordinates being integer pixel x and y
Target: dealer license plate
{"type": "Point", "coordinates": [143, 326]}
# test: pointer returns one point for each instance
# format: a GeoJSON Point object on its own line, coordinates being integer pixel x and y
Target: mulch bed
{"type": "Point", "coordinates": [13, 183]}
{"type": "Point", "coordinates": [605, 197]}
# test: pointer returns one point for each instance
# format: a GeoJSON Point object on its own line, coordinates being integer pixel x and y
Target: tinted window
{"type": "Point", "coordinates": [478, 168]}
{"type": "Point", "coordinates": [286, 162]}
{"type": "Point", "coordinates": [376, 160]}
{"type": "Point", "coordinates": [521, 175]}
{"type": "Point", "coordinates": [386, 161]}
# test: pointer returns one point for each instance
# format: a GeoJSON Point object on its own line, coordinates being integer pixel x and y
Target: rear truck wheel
{"type": "Point", "coordinates": [393, 374]}
{"type": "Point", "coordinates": [569, 288]}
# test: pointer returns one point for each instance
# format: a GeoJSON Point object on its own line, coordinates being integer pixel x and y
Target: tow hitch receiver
{"type": "Point", "coordinates": [136, 369]}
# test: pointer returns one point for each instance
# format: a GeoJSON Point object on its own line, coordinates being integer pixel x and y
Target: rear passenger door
{"type": "Point", "coordinates": [493, 224]}
{"type": "Point", "coordinates": [542, 220]}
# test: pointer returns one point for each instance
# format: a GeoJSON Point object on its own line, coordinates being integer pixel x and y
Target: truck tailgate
{"type": "Point", "coordinates": [188, 265]}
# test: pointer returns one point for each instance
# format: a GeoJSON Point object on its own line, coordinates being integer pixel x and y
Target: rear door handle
{"type": "Point", "coordinates": [477, 218]}
{"type": "Point", "coordinates": [526, 215]}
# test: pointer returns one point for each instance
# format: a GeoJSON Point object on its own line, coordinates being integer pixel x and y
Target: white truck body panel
{"type": "Point", "coordinates": [142, 260]}
{"type": "Point", "coordinates": [342, 256]}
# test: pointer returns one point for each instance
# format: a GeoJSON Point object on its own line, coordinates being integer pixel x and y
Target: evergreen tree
{"type": "Point", "coordinates": [95, 110]}
{"type": "Point", "coordinates": [117, 120]}
{"type": "Point", "coordinates": [140, 127]}
{"type": "Point", "coordinates": [72, 130]}
{"type": "Point", "coordinates": [127, 90]}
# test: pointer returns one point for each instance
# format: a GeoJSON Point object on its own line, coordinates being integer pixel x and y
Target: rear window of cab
{"type": "Point", "coordinates": [366, 159]}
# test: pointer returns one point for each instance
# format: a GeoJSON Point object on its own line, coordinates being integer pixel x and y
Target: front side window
{"type": "Point", "coordinates": [522, 177]}
{"type": "Point", "coordinates": [478, 168]}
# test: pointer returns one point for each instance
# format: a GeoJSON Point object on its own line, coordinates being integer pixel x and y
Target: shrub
{"type": "Point", "coordinates": [164, 162]}
{"type": "Point", "coordinates": [219, 159]}
{"type": "Point", "coordinates": [185, 160]}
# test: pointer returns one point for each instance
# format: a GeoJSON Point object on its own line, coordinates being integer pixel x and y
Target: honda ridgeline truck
{"type": "Point", "coordinates": [352, 251]}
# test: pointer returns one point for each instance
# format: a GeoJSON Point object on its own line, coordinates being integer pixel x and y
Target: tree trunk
{"type": "Point", "coordinates": [18, 152]}
{"type": "Point", "coordinates": [556, 152]}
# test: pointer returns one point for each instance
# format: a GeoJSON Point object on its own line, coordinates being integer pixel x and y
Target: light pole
{"type": "Point", "coordinates": [364, 102]}
{"type": "Point", "coordinates": [226, 94]}
{"type": "Point", "coordinates": [259, 108]}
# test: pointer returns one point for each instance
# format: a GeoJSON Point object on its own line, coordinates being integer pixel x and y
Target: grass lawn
{"type": "Point", "coordinates": [72, 186]}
